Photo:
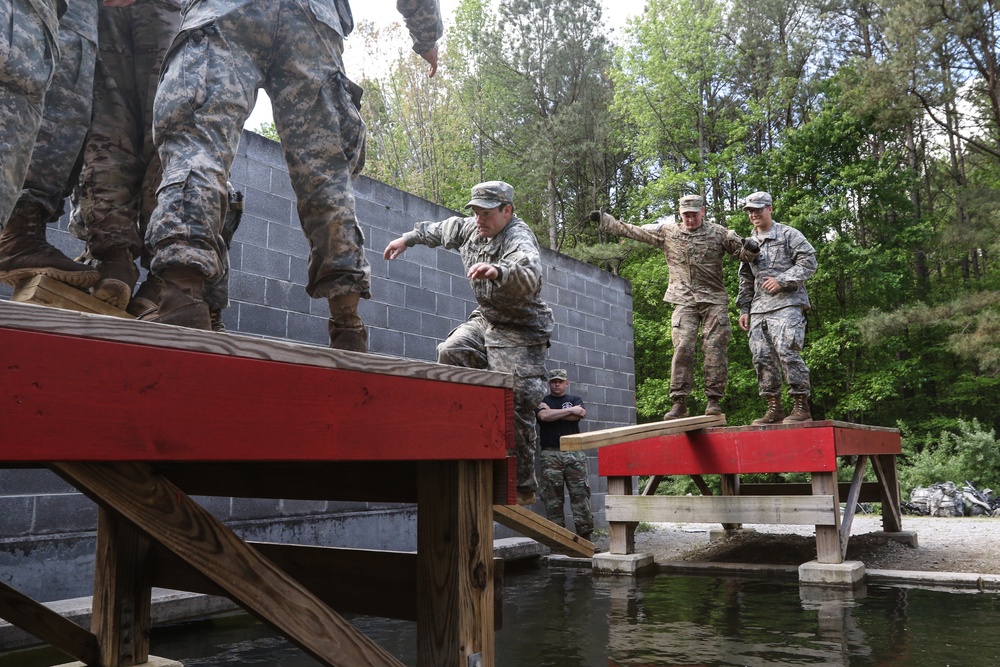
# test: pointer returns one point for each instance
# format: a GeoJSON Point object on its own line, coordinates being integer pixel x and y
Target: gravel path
{"type": "Point", "coordinates": [969, 544]}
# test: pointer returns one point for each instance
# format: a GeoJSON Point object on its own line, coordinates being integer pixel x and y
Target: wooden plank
{"type": "Point", "coordinates": [614, 436]}
{"type": "Point", "coordinates": [39, 319]}
{"type": "Point", "coordinates": [828, 543]}
{"type": "Point", "coordinates": [313, 480]}
{"type": "Point", "coordinates": [730, 486]}
{"type": "Point", "coordinates": [45, 291]}
{"type": "Point", "coordinates": [862, 439]}
{"type": "Point", "coordinates": [851, 502]}
{"type": "Point", "coordinates": [870, 492]}
{"type": "Point", "coordinates": [121, 613]}
{"type": "Point", "coordinates": [542, 530]}
{"type": "Point", "coordinates": [159, 394]}
{"type": "Point", "coordinates": [41, 622]}
{"type": "Point", "coordinates": [455, 565]}
{"type": "Point", "coordinates": [166, 514]}
{"type": "Point", "coordinates": [888, 482]}
{"type": "Point", "coordinates": [622, 533]}
{"type": "Point", "coordinates": [356, 581]}
{"type": "Point", "coordinates": [791, 510]}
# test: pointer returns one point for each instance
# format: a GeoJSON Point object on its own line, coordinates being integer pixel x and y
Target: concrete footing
{"type": "Point", "coordinates": [849, 574]}
{"type": "Point", "coordinates": [153, 662]}
{"type": "Point", "coordinates": [907, 537]}
{"type": "Point", "coordinates": [624, 563]}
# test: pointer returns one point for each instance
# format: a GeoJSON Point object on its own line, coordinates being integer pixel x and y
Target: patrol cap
{"type": "Point", "coordinates": [757, 200]}
{"type": "Point", "coordinates": [691, 203]}
{"type": "Point", "coordinates": [558, 374]}
{"type": "Point", "coordinates": [491, 194]}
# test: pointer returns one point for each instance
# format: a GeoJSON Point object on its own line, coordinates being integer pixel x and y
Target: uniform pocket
{"type": "Point", "coordinates": [27, 51]}
{"type": "Point", "coordinates": [353, 133]}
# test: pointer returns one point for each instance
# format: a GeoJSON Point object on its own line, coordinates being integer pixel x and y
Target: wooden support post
{"type": "Point", "coordinates": [652, 485]}
{"type": "Point", "coordinates": [622, 533]}
{"type": "Point", "coordinates": [888, 479]}
{"type": "Point", "coordinates": [731, 487]}
{"type": "Point", "coordinates": [40, 621]}
{"type": "Point", "coordinates": [122, 592]}
{"type": "Point", "coordinates": [851, 503]}
{"type": "Point", "coordinates": [828, 546]}
{"type": "Point", "coordinates": [162, 511]}
{"type": "Point", "coordinates": [455, 564]}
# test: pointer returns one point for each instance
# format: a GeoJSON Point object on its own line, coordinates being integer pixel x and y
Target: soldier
{"type": "Point", "coordinates": [24, 250]}
{"type": "Point", "coordinates": [509, 331]}
{"type": "Point", "coordinates": [559, 414]}
{"type": "Point", "coordinates": [122, 170]}
{"type": "Point", "coordinates": [694, 250]}
{"type": "Point", "coordinates": [225, 51]}
{"type": "Point", "coordinates": [772, 302]}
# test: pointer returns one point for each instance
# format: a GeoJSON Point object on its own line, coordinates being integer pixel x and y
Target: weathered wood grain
{"type": "Point", "coordinates": [37, 619]}
{"type": "Point", "coordinates": [542, 530]}
{"type": "Point", "coordinates": [614, 436]}
{"type": "Point", "coordinates": [792, 510]}
{"type": "Point", "coordinates": [45, 291]}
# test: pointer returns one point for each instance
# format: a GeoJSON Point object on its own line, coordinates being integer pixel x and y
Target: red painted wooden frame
{"type": "Point", "coordinates": [811, 447]}
{"type": "Point", "coordinates": [65, 398]}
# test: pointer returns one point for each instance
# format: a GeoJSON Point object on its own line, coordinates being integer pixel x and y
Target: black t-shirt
{"type": "Point", "coordinates": [550, 432]}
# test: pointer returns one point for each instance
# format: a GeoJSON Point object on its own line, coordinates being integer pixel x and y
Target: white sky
{"type": "Point", "coordinates": [383, 12]}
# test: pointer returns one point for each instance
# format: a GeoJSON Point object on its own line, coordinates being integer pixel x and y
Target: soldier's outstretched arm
{"type": "Point", "coordinates": [423, 20]}
{"type": "Point", "coordinates": [607, 223]}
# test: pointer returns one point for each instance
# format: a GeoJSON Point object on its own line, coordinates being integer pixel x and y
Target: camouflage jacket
{"type": "Point", "coordinates": [423, 17]}
{"type": "Point", "coordinates": [49, 12]}
{"type": "Point", "coordinates": [694, 257]}
{"type": "Point", "coordinates": [786, 256]}
{"type": "Point", "coordinates": [512, 303]}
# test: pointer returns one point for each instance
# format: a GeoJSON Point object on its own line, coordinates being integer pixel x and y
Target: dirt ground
{"type": "Point", "coordinates": [969, 544]}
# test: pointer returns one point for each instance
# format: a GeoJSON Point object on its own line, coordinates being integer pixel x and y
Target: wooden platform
{"type": "Point", "coordinates": [817, 448]}
{"type": "Point", "coordinates": [142, 416]}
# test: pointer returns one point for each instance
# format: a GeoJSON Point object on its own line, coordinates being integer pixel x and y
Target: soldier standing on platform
{"type": "Point", "coordinates": [559, 414]}
{"type": "Point", "coordinates": [52, 172]}
{"type": "Point", "coordinates": [225, 51]}
{"type": "Point", "coordinates": [509, 331]}
{"type": "Point", "coordinates": [773, 302]}
{"type": "Point", "coordinates": [694, 250]}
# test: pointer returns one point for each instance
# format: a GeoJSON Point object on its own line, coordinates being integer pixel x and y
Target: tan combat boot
{"type": "Point", "coordinates": [119, 275]}
{"type": "Point", "coordinates": [800, 410]}
{"type": "Point", "coordinates": [24, 253]}
{"type": "Point", "coordinates": [144, 304]}
{"type": "Point", "coordinates": [347, 331]}
{"type": "Point", "coordinates": [678, 411]}
{"type": "Point", "coordinates": [775, 413]}
{"type": "Point", "coordinates": [525, 497]}
{"type": "Point", "coordinates": [182, 301]}
{"type": "Point", "coordinates": [712, 408]}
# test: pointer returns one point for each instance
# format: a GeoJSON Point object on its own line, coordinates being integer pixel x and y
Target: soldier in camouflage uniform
{"type": "Point", "coordinates": [509, 331]}
{"type": "Point", "coordinates": [225, 51]}
{"type": "Point", "coordinates": [559, 414]}
{"type": "Point", "coordinates": [24, 251]}
{"type": "Point", "coordinates": [773, 302]}
{"type": "Point", "coordinates": [121, 171]}
{"type": "Point", "coordinates": [694, 250]}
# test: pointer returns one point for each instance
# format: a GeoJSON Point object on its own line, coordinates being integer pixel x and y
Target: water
{"type": "Point", "coordinates": [568, 618]}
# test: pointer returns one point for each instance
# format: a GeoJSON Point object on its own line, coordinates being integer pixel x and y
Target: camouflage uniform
{"type": "Point", "coordinates": [225, 51]}
{"type": "Point", "coordinates": [559, 468]}
{"type": "Point", "coordinates": [509, 331]}
{"type": "Point", "coordinates": [28, 56]}
{"type": "Point", "coordinates": [694, 258]}
{"type": "Point", "coordinates": [121, 167]}
{"type": "Point", "coordinates": [777, 321]}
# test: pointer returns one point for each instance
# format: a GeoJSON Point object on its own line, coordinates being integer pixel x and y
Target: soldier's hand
{"type": "Point", "coordinates": [432, 58]}
{"type": "Point", "coordinates": [394, 249]}
{"type": "Point", "coordinates": [750, 244]}
{"type": "Point", "coordinates": [745, 321]}
{"type": "Point", "coordinates": [771, 285]}
{"type": "Point", "coordinates": [483, 271]}
{"type": "Point", "coordinates": [595, 216]}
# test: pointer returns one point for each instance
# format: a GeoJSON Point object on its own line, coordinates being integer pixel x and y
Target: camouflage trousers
{"type": "Point", "coordinates": [28, 54]}
{"type": "Point", "coordinates": [466, 346]}
{"type": "Point", "coordinates": [570, 469]}
{"type": "Point", "coordinates": [53, 169]}
{"type": "Point", "coordinates": [716, 332]}
{"type": "Point", "coordinates": [208, 89]}
{"type": "Point", "coordinates": [122, 169]}
{"type": "Point", "coordinates": [776, 340]}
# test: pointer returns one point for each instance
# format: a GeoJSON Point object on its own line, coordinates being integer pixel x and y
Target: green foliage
{"type": "Point", "coordinates": [968, 452]}
{"type": "Point", "coordinates": [268, 130]}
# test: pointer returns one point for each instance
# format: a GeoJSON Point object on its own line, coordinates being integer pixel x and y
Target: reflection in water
{"type": "Point", "coordinates": [569, 618]}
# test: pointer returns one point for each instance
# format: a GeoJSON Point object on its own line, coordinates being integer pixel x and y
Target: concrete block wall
{"type": "Point", "coordinates": [46, 527]}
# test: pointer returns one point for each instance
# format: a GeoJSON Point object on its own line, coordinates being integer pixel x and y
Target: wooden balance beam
{"type": "Point", "coordinates": [138, 416]}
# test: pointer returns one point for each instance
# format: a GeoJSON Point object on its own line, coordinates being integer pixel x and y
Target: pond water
{"type": "Point", "coordinates": [569, 618]}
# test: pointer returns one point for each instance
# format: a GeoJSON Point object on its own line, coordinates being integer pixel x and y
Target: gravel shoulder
{"type": "Point", "coordinates": [970, 544]}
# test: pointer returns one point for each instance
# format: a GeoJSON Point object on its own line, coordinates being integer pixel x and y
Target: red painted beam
{"type": "Point", "coordinates": [747, 449]}
{"type": "Point", "coordinates": [65, 398]}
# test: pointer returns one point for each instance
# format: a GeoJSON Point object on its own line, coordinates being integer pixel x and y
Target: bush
{"type": "Point", "coordinates": [973, 454]}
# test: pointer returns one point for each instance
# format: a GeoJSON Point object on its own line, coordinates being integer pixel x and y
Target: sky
{"type": "Point", "coordinates": [616, 13]}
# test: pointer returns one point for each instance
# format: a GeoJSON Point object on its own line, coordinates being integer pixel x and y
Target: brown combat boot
{"type": "Point", "coordinates": [800, 410]}
{"type": "Point", "coordinates": [775, 413]}
{"type": "Point", "coordinates": [347, 331]}
{"type": "Point", "coordinates": [24, 253]}
{"type": "Point", "coordinates": [144, 304]}
{"type": "Point", "coordinates": [712, 408]}
{"type": "Point", "coordinates": [182, 301]}
{"type": "Point", "coordinates": [119, 275]}
{"type": "Point", "coordinates": [218, 325]}
{"type": "Point", "coordinates": [678, 411]}
{"type": "Point", "coordinates": [525, 497]}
